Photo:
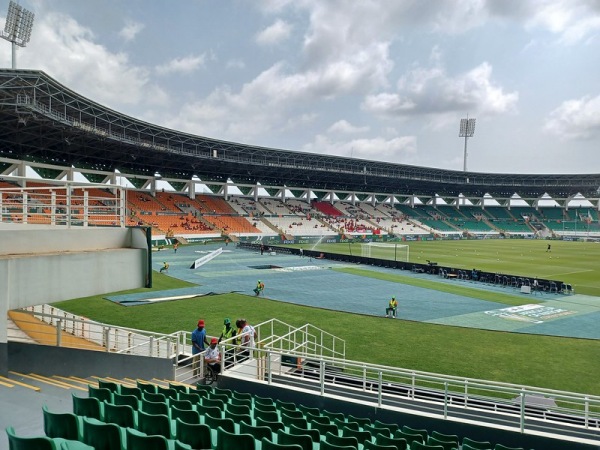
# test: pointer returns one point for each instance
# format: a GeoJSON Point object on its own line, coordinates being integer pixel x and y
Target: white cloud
{"type": "Point", "coordinates": [235, 64]}
{"type": "Point", "coordinates": [68, 52]}
{"type": "Point", "coordinates": [185, 65]}
{"type": "Point", "coordinates": [345, 127]}
{"type": "Point", "coordinates": [432, 91]}
{"type": "Point", "coordinates": [397, 150]}
{"type": "Point", "coordinates": [131, 30]}
{"type": "Point", "coordinates": [271, 100]}
{"type": "Point", "coordinates": [575, 119]}
{"type": "Point", "coordinates": [573, 20]}
{"type": "Point", "coordinates": [274, 34]}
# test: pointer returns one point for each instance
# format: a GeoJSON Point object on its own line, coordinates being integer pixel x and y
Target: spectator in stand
{"type": "Point", "coordinates": [212, 356]}
{"type": "Point", "coordinates": [249, 336]}
{"type": "Point", "coordinates": [198, 346]}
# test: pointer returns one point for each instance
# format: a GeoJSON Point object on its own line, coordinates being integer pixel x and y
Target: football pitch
{"type": "Point", "coordinates": [575, 263]}
{"type": "Point", "coordinates": [324, 298]}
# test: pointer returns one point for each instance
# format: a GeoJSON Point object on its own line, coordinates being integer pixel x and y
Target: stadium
{"type": "Point", "coordinates": [118, 234]}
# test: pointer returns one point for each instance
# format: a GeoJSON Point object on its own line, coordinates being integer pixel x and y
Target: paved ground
{"type": "Point", "coordinates": [313, 282]}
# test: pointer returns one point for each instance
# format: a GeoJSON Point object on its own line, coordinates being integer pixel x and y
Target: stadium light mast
{"type": "Point", "coordinates": [17, 30]}
{"type": "Point", "coordinates": [467, 130]}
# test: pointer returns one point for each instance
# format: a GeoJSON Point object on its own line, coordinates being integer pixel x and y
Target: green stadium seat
{"type": "Point", "coordinates": [315, 435]}
{"type": "Point", "coordinates": [480, 445]}
{"type": "Point", "coordinates": [399, 443]}
{"type": "Point", "coordinates": [257, 432]}
{"type": "Point", "coordinates": [273, 425]}
{"type": "Point", "coordinates": [29, 443]}
{"type": "Point", "coordinates": [121, 415]}
{"type": "Point", "coordinates": [128, 390]}
{"type": "Point", "coordinates": [393, 427]}
{"type": "Point", "coordinates": [342, 441]}
{"type": "Point", "coordinates": [342, 423]}
{"type": "Point", "coordinates": [420, 431]}
{"type": "Point", "coordinates": [103, 436]}
{"type": "Point", "coordinates": [238, 409]}
{"type": "Point", "coordinates": [360, 435]}
{"type": "Point", "coordinates": [195, 435]}
{"type": "Point", "coordinates": [362, 421]}
{"type": "Point", "coordinates": [324, 445]}
{"type": "Point", "coordinates": [146, 387]}
{"type": "Point", "coordinates": [300, 422]}
{"type": "Point", "coordinates": [230, 441]}
{"type": "Point", "coordinates": [410, 437]}
{"type": "Point", "coordinates": [216, 422]}
{"type": "Point", "coordinates": [101, 394]}
{"type": "Point", "coordinates": [61, 425]}
{"type": "Point", "coordinates": [140, 441]}
{"type": "Point", "coordinates": [445, 437]}
{"type": "Point", "coordinates": [152, 424]}
{"type": "Point", "coordinates": [185, 415]}
{"type": "Point", "coordinates": [154, 407]}
{"type": "Point", "coordinates": [448, 445]}
{"type": "Point", "coordinates": [267, 444]}
{"type": "Point", "coordinates": [87, 407]}
{"type": "Point", "coordinates": [181, 404]}
{"type": "Point", "coordinates": [368, 445]}
{"type": "Point", "coordinates": [168, 392]}
{"type": "Point", "coordinates": [416, 445]}
{"type": "Point", "coordinates": [504, 447]}
{"type": "Point", "coordinates": [129, 400]}
{"type": "Point", "coordinates": [303, 440]}
{"type": "Point", "coordinates": [113, 387]}
{"type": "Point", "coordinates": [191, 397]}
{"type": "Point", "coordinates": [154, 397]}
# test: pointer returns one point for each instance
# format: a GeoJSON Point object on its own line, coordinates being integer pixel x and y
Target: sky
{"type": "Point", "coordinates": [383, 80]}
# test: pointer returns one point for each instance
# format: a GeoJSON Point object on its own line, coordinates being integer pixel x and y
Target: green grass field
{"type": "Point", "coordinates": [576, 263]}
{"type": "Point", "coordinates": [545, 361]}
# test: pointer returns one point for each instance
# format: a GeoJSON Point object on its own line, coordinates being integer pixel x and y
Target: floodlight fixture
{"type": "Point", "coordinates": [467, 130]}
{"type": "Point", "coordinates": [17, 30]}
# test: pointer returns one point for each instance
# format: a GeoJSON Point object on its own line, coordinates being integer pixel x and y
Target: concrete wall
{"type": "Point", "coordinates": [31, 239]}
{"type": "Point", "coordinates": [34, 279]}
{"type": "Point", "coordinates": [45, 264]}
{"type": "Point", "coordinates": [47, 360]}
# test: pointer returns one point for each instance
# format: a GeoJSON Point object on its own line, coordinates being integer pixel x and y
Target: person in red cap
{"type": "Point", "coordinates": [199, 343]}
{"type": "Point", "coordinates": [212, 356]}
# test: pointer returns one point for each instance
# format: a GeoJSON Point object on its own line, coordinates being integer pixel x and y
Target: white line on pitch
{"type": "Point", "coordinates": [569, 273]}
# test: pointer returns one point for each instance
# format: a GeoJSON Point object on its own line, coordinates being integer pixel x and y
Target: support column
{"type": "Point", "coordinates": [4, 307]}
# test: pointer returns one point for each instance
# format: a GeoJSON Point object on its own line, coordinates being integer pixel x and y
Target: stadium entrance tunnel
{"type": "Point", "coordinates": [265, 267]}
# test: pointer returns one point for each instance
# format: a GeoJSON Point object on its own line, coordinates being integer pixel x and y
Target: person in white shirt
{"type": "Point", "coordinates": [248, 337]}
{"type": "Point", "coordinates": [212, 356]}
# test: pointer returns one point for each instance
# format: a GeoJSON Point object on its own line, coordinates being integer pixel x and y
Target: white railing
{"type": "Point", "coordinates": [309, 359]}
{"type": "Point", "coordinates": [65, 204]}
{"type": "Point", "coordinates": [522, 408]}
{"type": "Point", "coordinates": [98, 336]}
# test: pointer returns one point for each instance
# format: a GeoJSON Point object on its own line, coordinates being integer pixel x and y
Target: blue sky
{"type": "Point", "coordinates": [376, 79]}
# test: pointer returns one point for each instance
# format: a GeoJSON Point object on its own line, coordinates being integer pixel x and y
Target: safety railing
{"type": "Point", "coordinates": [67, 330]}
{"type": "Point", "coordinates": [64, 204]}
{"type": "Point", "coordinates": [523, 408]}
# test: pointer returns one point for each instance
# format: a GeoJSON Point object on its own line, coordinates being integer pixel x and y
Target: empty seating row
{"type": "Point", "coordinates": [126, 416]}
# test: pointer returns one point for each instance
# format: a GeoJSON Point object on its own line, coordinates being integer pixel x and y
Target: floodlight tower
{"type": "Point", "coordinates": [17, 30]}
{"type": "Point", "coordinates": [467, 130]}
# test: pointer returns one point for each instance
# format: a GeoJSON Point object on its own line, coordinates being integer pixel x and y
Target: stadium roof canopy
{"type": "Point", "coordinates": [44, 121]}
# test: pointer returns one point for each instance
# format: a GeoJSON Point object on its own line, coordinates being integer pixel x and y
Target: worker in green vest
{"type": "Point", "coordinates": [228, 333]}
